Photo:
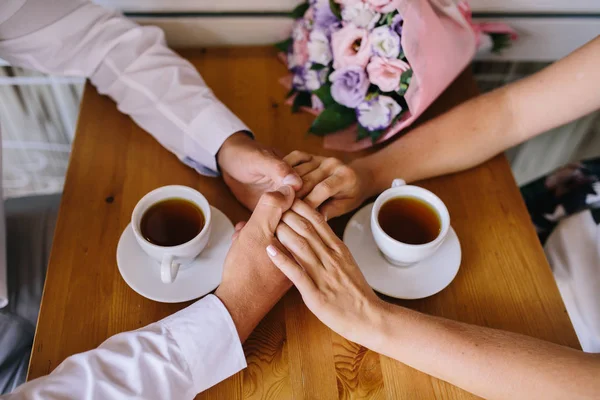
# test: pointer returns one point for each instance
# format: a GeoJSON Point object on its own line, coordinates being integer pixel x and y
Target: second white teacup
{"type": "Point", "coordinates": [404, 254]}
{"type": "Point", "coordinates": [171, 258]}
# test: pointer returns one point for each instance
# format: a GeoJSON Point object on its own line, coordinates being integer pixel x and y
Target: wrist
{"type": "Point", "coordinates": [237, 139]}
{"type": "Point", "coordinates": [378, 328]}
{"type": "Point", "coordinates": [247, 304]}
{"type": "Point", "coordinates": [368, 174]}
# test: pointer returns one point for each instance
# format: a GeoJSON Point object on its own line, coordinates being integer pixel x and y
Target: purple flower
{"type": "Point", "coordinates": [396, 24]}
{"type": "Point", "coordinates": [349, 85]}
{"type": "Point", "coordinates": [324, 17]}
{"type": "Point", "coordinates": [378, 112]}
{"type": "Point", "coordinates": [298, 80]}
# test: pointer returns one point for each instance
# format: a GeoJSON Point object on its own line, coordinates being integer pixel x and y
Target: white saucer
{"type": "Point", "coordinates": [194, 280]}
{"type": "Point", "coordinates": [417, 281]}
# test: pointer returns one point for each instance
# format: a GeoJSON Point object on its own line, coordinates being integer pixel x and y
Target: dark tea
{"type": "Point", "coordinates": [172, 222]}
{"type": "Point", "coordinates": [409, 220]}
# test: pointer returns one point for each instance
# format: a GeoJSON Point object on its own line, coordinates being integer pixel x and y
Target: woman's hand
{"type": "Point", "coordinates": [330, 185]}
{"type": "Point", "coordinates": [325, 273]}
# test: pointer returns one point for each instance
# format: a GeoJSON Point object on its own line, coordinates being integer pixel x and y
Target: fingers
{"type": "Point", "coordinates": [294, 272]}
{"type": "Point", "coordinates": [326, 168]}
{"type": "Point", "coordinates": [304, 235]}
{"type": "Point", "coordinates": [297, 157]}
{"type": "Point", "coordinates": [299, 248]}
{"type": "Point", "coordinates": [307, 167]}
{"type": "Point", "coordinates": [270, 208]}
{"type": "Point", "coordinates": [278, 171]}
{"type": "Point", "coordinates": [237, 229]}
{"type": "Point", "coordinates": [324, 190]}
{"type": "Point", "coordinates": [317, 222]}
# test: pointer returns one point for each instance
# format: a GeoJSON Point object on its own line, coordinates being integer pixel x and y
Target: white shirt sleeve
{"type": "Point", "coordinates": [162, 92]}
{"type": "Point", "coordinates": [175, 358]}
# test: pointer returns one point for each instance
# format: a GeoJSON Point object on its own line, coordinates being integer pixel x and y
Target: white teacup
{"type": "Point", "coordinates": [171, 258]}
{"type": "Point", "coordinates": [403, 254]}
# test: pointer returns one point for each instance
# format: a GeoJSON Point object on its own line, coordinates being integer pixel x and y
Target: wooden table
{"type": "Point", "coordinates": [504, 281]}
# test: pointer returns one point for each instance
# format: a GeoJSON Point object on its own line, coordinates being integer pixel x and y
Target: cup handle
{"type": "Point", "coordinates": [398, 182]}
{"type": "Point", "coordinates": [168, 269]}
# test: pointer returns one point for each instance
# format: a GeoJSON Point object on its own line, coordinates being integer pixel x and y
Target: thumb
{"type": "Point", "coordinates": [280, 172]}
{"type": "Point", "coordinates": [270, 208]}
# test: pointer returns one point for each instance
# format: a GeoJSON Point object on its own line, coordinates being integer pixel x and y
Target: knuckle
{"type": "Point", "coordinates": [326, 187]}
{"type": "Point", "coordinates": [318, 218]}
{"type": "Point", "coordinates": [272, 199]}
{"type": "Point", "coordinates": [281, 167]}
{"type": "Point", "coordinates": [302, 244]}
{"type": "Point", "coordinates": [298, 154]}
{"type": "Point", "coordinates": [331, 162]}
{"type": "Point", "coordinates": [305, 225]}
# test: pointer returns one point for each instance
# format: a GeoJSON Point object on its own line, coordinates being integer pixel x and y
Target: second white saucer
{"type": "Point", "coordinates": [417, 281]}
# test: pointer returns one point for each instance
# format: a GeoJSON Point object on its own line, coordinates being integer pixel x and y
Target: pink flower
{"type": "Point", "coordinates": [384, 6]}
{"type": "Point", "coordinates": [350, 46]}
{"type": "Point", "coordinates": [300, 47]}
{"type": "Point", "coordinates": [345, 3]}
{"type": "Point", "coordinates": [385, 73]}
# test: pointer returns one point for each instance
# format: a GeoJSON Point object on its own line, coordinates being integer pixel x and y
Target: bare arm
{"type": "Point", "coordinates": [490, 363]}
{"type": "Point", "coordinates": [487, 125]}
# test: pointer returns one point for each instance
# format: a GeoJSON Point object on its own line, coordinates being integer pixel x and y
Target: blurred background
{"type": "Point", "coordinates": [39, 113]}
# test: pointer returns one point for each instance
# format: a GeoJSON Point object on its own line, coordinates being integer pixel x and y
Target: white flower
{"type": "Point", "coordinates": [319, 50]}
{"type": "Point", "coordinates": [291, 60]}
{"type": "Point", "coordinates": [316, 102]}
{"type": "Point", "coordinates": [361, 15]}
{"type": "Point", "coordinates": [377, 113]}
{"type": "Point", "coordinates": [313, 79]}
{"type": "Point", "coordinates": [385, 42]}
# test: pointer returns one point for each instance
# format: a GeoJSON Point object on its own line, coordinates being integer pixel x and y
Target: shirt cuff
{"type": "Point", "coordinates": [207, 133]}
{"type": "Point", "coordinates": [208, 340]}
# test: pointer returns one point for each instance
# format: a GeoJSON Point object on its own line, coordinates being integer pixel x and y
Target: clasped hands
{"type": "Point", "coordinates": [287, 241]}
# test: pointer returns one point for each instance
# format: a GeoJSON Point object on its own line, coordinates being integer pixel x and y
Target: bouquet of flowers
{"type": "Point", "coordinates": [368, 68]}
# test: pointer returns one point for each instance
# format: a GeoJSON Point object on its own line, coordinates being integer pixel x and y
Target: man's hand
{"type": "Point", "coordinates": [329, 184]}
{"type": "Point", "coordinates": [251, 284]}
{"type": "Point", "coordinates": [251, 169]}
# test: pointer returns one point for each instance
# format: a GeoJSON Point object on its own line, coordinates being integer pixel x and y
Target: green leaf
{"type": "Point", "coordinates": [290, 93]}
{"type": "Point", "coordinates": [332, 119]}
{"type": "Point", "coordinates": [402, 56]}
{"type": "Point", "coordinates": [403, 89]}
{"type": "Point", "coordinates": [336, 9]}
{"type": "Point", "coordinates": [406, 76]}
{"type": "Point", "coordinates": [324, 93]}
{"type": "Point", "coordinates": [299, 11]}
{"type": "Point", "coordinates": [363, 133]}
{"type": "Point", "coordinates": [284, 45]}
{"type": "Point", "coordinates": [376, 134]}
{"type": "Point", "coordinates": [388, 18]}
{"type": "Point", "coordinates": [302, 99]}
{"type": "Point", "coordinates": [317, 67]}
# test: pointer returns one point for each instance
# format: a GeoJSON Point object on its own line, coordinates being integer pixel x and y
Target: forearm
{"type": "Point", "coordinates": [487, 362]}
{"type": "Point", "coordinates": [477, 130]}
{"type": "Point", "coordinates": [249, 304]}
{"type": "Point", "coordinates": [452, 142]}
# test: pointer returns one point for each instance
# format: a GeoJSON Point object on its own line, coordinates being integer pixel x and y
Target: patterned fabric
{"type": "Point", "coordinates": [567, 191]}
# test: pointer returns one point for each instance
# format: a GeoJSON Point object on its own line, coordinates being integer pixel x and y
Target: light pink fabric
{"type": "Point", "coordinates": [439, 43]}
{"type": "Point", "coordinates": [482, 28]}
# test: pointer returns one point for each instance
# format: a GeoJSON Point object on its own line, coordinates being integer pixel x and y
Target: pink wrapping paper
{"type": "Point", "coordinates": [439, 43]}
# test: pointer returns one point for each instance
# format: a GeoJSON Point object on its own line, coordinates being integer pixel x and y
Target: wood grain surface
{"type": "Point", "coordinates": [504, 280]}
